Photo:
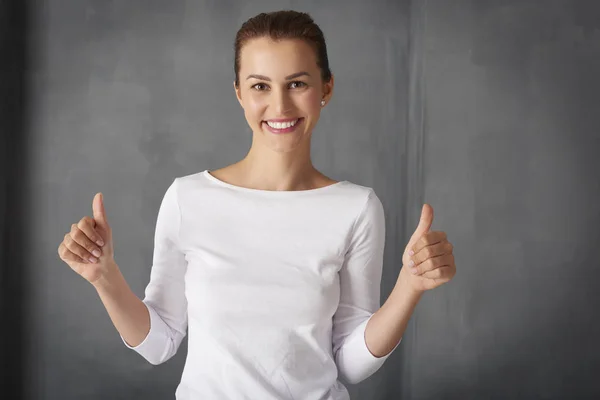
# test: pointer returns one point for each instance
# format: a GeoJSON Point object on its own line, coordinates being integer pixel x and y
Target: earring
{"type": "Point", "coordinates": [323, 103]}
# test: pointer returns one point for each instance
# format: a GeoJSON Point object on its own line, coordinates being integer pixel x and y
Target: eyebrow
{"type": "Point", "coordinates": [287, 78]}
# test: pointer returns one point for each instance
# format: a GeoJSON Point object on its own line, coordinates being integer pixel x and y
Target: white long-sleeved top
{"type": "Point", "coordinates": [274, 288]}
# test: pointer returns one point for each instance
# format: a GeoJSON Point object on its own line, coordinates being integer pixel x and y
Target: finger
{"type": "Point", "coordinates": [428, 239]}
{"type": "Point", "coordinates": [433, 263]}
{"type": "Point", "coordinates": [67, 255]}
{"type": "Point", "coordinates": [99, 211]}
{"type": "Point", "coordinates": [78, 249]}
{"type": "Point", "coordinates": [424, 223]}
{"type": "Point", "coordinates": [87, 225]}
{"type": "Point", "coordinates": [433, 250]}
{"type": "Point", "coordinates": [442, 273]}
{"type": "Point", "coordinates": [73, 260]}
{"type": "Point", "coordinates": [84, 241]}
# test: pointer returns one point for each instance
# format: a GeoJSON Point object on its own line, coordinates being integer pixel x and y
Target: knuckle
{"type": "Point", "coordinates": [64, 252]}
{"type": "Point", "coordinates": [81, 252]}
{"type": "Point", "coordinates": [88, 246]}
{"type": "Point", "coordinates": [82, 225]}
{"type": "Point", "coordinates": [425, 265]}
{"type": "Point", "coordinates": [78, 236]}
{"type": "Point", "coordinates": [71, 246]}
{"type": "Point", "coordinates": [88, 229]}
{"type": "Point", "coordinates": [83, 241]}
{"type": "Point", "coordinates": [74, 247]}
{"type": "Point", "coordinates": [89, 221]}
{"type": "Point", "coordinates": [82, 222]}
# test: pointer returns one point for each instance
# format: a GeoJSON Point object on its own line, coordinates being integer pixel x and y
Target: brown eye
{"type": "Point", "coordinates": [259, 86]}
{"type": "Point", "coordinates": [297, 84]}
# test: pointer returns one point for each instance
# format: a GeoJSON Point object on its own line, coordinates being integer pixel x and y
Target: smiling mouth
{"type": "Point", "coordinates": [285, 126]}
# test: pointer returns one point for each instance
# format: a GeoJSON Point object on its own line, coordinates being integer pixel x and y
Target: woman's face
{"type": "Point", "coordinates": [280, 90]}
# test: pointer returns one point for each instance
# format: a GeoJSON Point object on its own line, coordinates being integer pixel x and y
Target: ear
{"type": "Point", "coordinates": [238, 93]}
{"type": "Point", "coordinates": [328, 89]}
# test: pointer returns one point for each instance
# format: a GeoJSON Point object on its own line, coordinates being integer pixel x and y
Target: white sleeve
{"type": "Point", "coordinates": [165, 294]}
{"type": "Point", "coordinates": [360, 280]}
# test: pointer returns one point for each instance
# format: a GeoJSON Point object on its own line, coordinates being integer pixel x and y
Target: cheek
{"type": "Point", "coordinates": [254, 106]}
{"type": "Point", "coordinates": [310, 102]}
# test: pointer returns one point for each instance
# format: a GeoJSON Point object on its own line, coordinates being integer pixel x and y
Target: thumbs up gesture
{"type": "Point", "coordinates": [427, 261]}
{"type": "Point", "coordinates": [88, 247]}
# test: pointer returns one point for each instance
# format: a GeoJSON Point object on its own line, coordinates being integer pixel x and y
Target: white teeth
{"type": "Point", "coordinates": [282, 125]}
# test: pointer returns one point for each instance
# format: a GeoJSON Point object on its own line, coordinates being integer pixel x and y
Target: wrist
{"type": "Point", "coordinates": [404, 286]}
{"type": "Point", "coordinates": [110, 281]}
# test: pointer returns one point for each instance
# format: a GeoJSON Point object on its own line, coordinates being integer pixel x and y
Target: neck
{"type": "Point", "coordinates": [265, 169]}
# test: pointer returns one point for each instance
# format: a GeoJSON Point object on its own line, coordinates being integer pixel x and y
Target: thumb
{"type": "Point", "coordinates": [99, 212]}
{"type": "Point", "coordinates": [424, 223]}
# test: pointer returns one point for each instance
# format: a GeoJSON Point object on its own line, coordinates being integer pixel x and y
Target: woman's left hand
{"type": "Point", "coordinates": [433, 261]}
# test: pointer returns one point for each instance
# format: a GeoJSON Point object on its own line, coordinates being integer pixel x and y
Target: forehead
{"type": "Point", "coordinates": [276, 58]}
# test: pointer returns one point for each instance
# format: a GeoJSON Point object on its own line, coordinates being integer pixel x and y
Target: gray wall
{"type": "Point", "coordinates": [484, 109]}
{"type": "Point", "coordinates": [506, 115]}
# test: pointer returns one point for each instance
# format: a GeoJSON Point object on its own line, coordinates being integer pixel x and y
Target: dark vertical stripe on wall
{"type": "Point", "coordinates": [414, 158]}
{"type": "Point", "coordinates": [13, 165]}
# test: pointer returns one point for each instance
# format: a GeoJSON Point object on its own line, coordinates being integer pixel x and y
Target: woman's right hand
{"type": "Point", "coordinates": [87, 236]}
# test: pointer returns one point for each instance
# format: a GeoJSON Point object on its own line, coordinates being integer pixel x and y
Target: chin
{"type": "Point", "coordinates": [285, 143]}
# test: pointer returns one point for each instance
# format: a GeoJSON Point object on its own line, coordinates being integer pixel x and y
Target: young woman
{"type": "Point", "coordinates": [272, 267]}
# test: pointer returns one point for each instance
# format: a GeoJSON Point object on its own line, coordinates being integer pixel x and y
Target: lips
{"type": "Point", "coordinates": [282, 125]}
{"type": "Point", "coordinates": [281, 119]}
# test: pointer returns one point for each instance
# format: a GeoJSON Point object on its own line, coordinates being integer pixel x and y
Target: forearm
{"type": "Point", "coordinates": [387, 326]}
{"type": "Point", "coordinates": [126, 311]}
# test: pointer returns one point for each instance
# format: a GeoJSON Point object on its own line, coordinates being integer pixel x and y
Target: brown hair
{"type": "Point", "coordinates": [279, 25]}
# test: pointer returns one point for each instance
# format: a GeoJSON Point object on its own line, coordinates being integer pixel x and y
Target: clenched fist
{"type": "Point", "coordinates": [88, 247]}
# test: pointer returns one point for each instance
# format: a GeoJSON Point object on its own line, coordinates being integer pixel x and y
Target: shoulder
{"type": "Point", "coordinates": [364, 195]}
{"type": "Point", "coordinates": [363, 204]}
{"type": "Point", "coordinates": [186, 182]}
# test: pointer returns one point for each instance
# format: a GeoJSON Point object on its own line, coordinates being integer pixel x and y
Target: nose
{"type": "Point", "coordinates": [281, 102]}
